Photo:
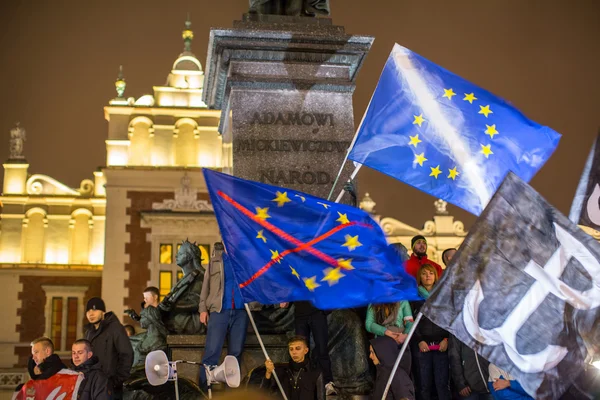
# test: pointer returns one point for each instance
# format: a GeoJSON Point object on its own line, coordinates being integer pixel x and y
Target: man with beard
{"type": "Point", "coordinates": [110, 342]}
{"type": "Point", "coordinates": [95, 383]}
{"type": "Point", "coordinates": [298, 379]}
{"type": "Point", "coordinates": [418, 258]}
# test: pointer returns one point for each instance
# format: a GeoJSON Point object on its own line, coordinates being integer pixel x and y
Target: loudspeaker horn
{"type": "Point", "coordinates": [228, 372]}
{"type": "Point", "coordinates": [158, 368]}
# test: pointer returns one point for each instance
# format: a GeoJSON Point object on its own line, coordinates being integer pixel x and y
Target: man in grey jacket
{"type": "Point", "coordinates": [221, 310]}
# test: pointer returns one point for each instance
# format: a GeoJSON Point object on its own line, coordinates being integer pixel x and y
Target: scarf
{"type": "Point", "coordinates": [424, 293]}
{"type": "Point", "coordinates": [298, 366]}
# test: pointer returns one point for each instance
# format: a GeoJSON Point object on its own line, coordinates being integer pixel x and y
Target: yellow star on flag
{"type": "Point", "coordinates": [294, 272]}
{"type": "Point", "coordinates": [261, 236]}
{"type": "Point", "coordinates": [448, 93]}
{"type": "Point", "coordinates": [301, 197]}
{"type": "Point", "coordinates": [351, 242]}
{"type": "Point", "coordinates": [491, 130]}
{"type": "Point", "coordinates": [435, 171]}
{"type": "Point", "coordinates": [345, 263]}
{"type": "Point", "coordinates": [420, 159]}
{"type": "Point", "coordinates": [470, 97]}
{"type": "Point", "coordinates": [332, 276]}
{"type": "Point", "coordinates": [343, 219]}
{"type": "Point", "coordinates": [324, 205]}
{"type": "Point", "coordinates": [418, 119]}
{"type": "Point", "coordinates": [485, 110]}
{"type": "Point", "coordinates": [262, 213]}
{"type": "Point", "coordinates": [414, 140]}
{"type": "Point", "coordinates": [311, 283]}
{"type": "Point", "coordinates": [453, 173]}
{"type": "Point", "coordinates": [281, 199]}
{"type": "Point", "coordinates": [275, 255]}
{"type": "Point", "coordinates": [486, 150]}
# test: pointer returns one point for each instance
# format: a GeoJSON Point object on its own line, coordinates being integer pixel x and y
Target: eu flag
{"type": "Point", "coordinates": [286, 245]}
{"type": "Point", "coordinates": [439, 133]}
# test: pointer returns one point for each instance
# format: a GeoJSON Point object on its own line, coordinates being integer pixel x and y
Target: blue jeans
{"type": "Point", "coordinates": [219, 324]}
{"type": "Point", "coordinates": [434, 374]}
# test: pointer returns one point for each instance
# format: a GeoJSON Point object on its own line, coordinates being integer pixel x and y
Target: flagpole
{"type": "Point", "coordinates": [402, 350]}
{"type": "Point", "coordinates": [352, 176]}
{"type": "Point", "coordinates": [262, 346]}
{"type": "Point", "coordinates": [347, 153]}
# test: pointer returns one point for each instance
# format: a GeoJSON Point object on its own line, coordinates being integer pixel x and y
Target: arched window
{"type": "Point", "coordinates": [140, 150]}
{"type": "Point", "coordinates": [34, 231]}
{"type": "Point", "coordinates": [80, 236]}
{"type": "Point", "coordinates": [185, 143]}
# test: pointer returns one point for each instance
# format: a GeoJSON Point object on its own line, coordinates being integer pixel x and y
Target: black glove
{"type": "Point", "coordinates": [132, 314]}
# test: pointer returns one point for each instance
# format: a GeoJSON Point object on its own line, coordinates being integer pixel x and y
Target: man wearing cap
{"type": "Point", "coordinates": [418, 245]}
{"type": "Point", "coordinates": [110, 343]}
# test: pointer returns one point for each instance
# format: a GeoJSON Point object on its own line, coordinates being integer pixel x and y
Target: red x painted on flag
{"type": "Point", "coordinates": [300, 246]}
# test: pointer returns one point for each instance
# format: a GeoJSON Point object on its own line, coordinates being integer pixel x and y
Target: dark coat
{"type": "Point", "coordinates": [387, 350]}
{"type": "Point", "coordinates": [113, 348]}
{"type": "Point", "coordinates": [467, 367]}
{"type": "Point", "coordinates": [308, 386]}
{"type": "Point", "coordinates": [426, 331]}
{"type": "Point", "coordinates": [48, 367]}
{"type": "Point", "coordinates": [95, 384]}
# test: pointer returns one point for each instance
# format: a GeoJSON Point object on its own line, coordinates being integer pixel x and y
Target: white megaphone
{"type": "Point", "coordinates": [159, 370]}
{"type": "Point", "coordinates": [228, 372]}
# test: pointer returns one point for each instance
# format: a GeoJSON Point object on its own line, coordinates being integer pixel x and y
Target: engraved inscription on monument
{"type": "Point", "coordinates": [294, 139]}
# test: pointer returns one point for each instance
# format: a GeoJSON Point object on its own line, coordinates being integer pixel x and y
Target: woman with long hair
{"type": "Point", "coordinates": [430, 344]}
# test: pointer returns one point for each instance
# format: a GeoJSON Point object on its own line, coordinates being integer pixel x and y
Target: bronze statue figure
{"type": "Point", "coordinates": [180, 306]}
{"type": "Point", "coordinates": [306, 8]}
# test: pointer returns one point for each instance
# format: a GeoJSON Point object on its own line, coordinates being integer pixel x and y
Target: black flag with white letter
{"type": "Point", "coordinates": [585, 209]}
{"type": "Point", "coordinates": [524, 291]}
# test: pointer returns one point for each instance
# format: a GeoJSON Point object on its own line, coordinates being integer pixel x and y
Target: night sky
{"type": "Point", "coordinates": [60, 60]}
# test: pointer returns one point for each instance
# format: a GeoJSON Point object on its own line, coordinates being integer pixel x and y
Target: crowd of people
{"type": "Point", "coordinates": [435, 365]}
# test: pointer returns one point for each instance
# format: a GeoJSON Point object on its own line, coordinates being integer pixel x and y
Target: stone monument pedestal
{"type": "Point", "coordinates": [191, 348]}
{"type": "Point", "coordinates": [285, 85]}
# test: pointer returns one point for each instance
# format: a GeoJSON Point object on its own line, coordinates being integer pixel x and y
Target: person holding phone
{"type": "Point", "coordinates": [431, 363]}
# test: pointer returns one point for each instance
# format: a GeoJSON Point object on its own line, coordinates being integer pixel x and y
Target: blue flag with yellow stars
{"type": "Point", "coordinates": [286, 245]}
{"type": "Point", "coordinates": [441, 134]}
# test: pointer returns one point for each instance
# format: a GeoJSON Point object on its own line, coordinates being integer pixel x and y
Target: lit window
{"type": "Point", "coordinates": [164, 283]}
{"type": "Point", "coordinates": [71, 321]}
{"type": "Point", "coordinates": [166, 254]}
{"type": "Point", "coordinates": [179, 275]}
{"type": "Point", "coordinates": [205, 252]}
{"type": "Point", "coordinates": [57, 316]}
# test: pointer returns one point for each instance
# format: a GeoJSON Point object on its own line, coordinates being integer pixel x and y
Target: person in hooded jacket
{"type": "Point", "coordinates": [469, 371]}
{"type": "Point", "coordinates": [110, 343]}
{"type": "Point", "coordinates": [383, 352]}
{"type": "Point", "coordinates": [299, 380]}
{"type": "Point", "coordinates": [95, 384]}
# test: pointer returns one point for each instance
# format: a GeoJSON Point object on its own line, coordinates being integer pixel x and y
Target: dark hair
{"type": "Point", "coordinates": [129, 329]}
{"type": "Point", "coordinates": [444, 254]}
{"type": "Point", "coordinates": [88, 345]}
{"type": "Point", "coordinates": [298, 338]}
{"type": "Point", "coordinates": [153, 290]}
{"type": "Point", "coordinates": [384, 310]}
{"type": "Point", "coordinates": [45, 341]}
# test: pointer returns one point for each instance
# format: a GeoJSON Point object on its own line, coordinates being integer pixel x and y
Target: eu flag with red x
{"type": "Point", "coordinates": [286, 245]}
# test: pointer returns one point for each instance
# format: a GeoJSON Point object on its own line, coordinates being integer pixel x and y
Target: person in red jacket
{"type": "Point", "coordinates": [418, 258]}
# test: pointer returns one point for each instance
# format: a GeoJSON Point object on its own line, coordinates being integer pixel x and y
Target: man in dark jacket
{"type": "Point", "coordinates": [110, 343]}
{"type": "Point", "coordinates": [95, 383]}
{"type": "Point", "coordinates": [469, 371]}
{"type": "Point", "coordinates": [43, 362]}
{"type": "Point", "coordinates": [383, 352]}
{"type": "Point", "coordinates": [298, 379]}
